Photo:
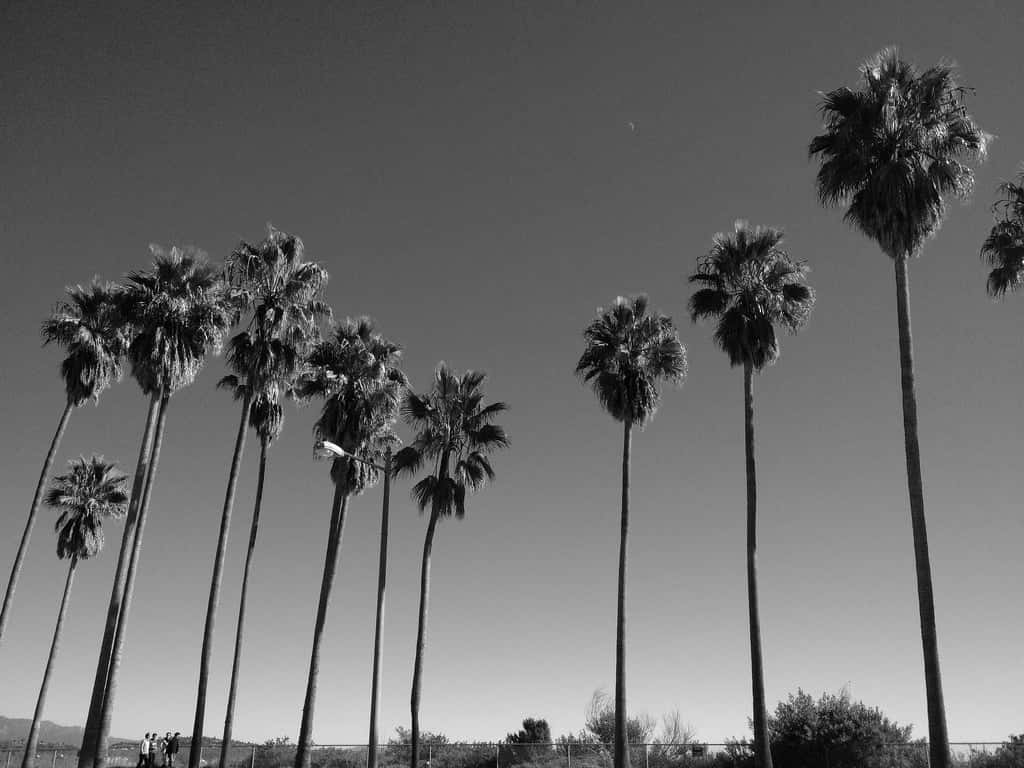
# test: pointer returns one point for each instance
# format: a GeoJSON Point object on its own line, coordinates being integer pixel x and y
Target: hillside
{"type": "Point", "coordinates": [15, 730]}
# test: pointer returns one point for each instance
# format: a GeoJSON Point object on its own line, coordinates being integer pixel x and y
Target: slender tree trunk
{"type": "Point", "coordinates": [382, 575]}
{"type": "Point", "coordinates": [19, 558]}
{"type": "Point", "coordinates": [762, 745]}
{"type": "Point", "coordinates": [337, 528]}
{"type": "Point", "coordinates": [129, 587]}
{"type": "Point", "coordinates": [421, 637]}
{"type": "Point", "coordinates": [229, 717]}
{"type": "Point", "coordinates": [938, 737]}
{"type": "Point", "coordinates": [87, 753]}
{"type": "Point", "coordinates": [37, 718]}
{"type": "Point", "coordinates": [621, 733]}
{"type": "Point", "coordinates": [215, 581]}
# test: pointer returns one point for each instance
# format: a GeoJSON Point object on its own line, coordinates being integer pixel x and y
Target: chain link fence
{"type": "Point", "coordinates": [566, 754]}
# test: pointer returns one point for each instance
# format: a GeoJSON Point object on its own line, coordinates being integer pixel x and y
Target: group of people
{"type": "Point", "coordinates": [151, 745]}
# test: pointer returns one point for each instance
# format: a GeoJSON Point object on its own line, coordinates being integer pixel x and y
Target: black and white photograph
{"type": "Point", "coordinates": [511, 384]}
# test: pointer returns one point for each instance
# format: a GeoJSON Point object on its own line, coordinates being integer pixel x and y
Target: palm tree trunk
{"type": "Point", "coordinates": [19, 558]}
{"type": "Point", "coordinates": [28, 761]}
{"type": "Point", "coordinates": [129, 587]}
{"type": "Point", "coordinates": [337, 528]}
{"type": "Point", "coordinates": [215, 581]}
{"type": "Point", "coordinates": [229, 717]}
{"type": "Point", "coordinates": [421, 637]}
{"type": "Point", "coordinates": [382, 574]}
{"type": "Point", "coordinates": [762, 745]}
{"type": "Point", "coordinates": [621, 733]}
{"type": "Point", "coordinates": [90, 737]}
{"type": "Point", "coordinates": [938, 737]}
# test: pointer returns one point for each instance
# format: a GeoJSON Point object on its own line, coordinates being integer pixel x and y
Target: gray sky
{"type": "Point", "coordinates": [469, 175]}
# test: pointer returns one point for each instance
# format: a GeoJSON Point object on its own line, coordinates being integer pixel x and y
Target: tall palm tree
{"type": "Point", "coordinates": [91, 490]}
{"type": "Point", "coordinates": [356, 372]}
{"type": "Point", "coordinates": [629, 352]}
{"type": "Point", "coordinates": [750, 285]}
{"type": "Point", "coordinates": [455, 433]}
{"type": "Point", "coordinates": [892, 151]}
{"type": "Point", "coordinates": [284, 295]}
{"type": "Point", "coordinates": [85, 326]}
{"type": "Point", "coordinates": [179, 313]}
{"type": "Point", "coordinates": [1004, 246]}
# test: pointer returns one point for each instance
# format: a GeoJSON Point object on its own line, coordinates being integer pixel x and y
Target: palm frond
{"type": "Point", "coordinates": [356, 371]}
{"type": "Point", "coordinates": [89, 326]}
{"type": "Point", "coordinates": [89, 491]}
{"type": "Point", "coordinates": [629, 351]}
{"type": "Point", "coordinates": [1003, 248]}
{"type": "Point", "coordinates": [756, 286]}
{"type": "Point", "coordinates": [892, 149]}
{"type": "Point", "coordinates": [454, 431]}
{"type": "Point", "coordinates": [180, 312]}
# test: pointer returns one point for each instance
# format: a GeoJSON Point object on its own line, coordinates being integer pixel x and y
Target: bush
{"type": "Point", "coordinates": [1010, 755]}
{"type": "Point", "coordinates": [833, 732]}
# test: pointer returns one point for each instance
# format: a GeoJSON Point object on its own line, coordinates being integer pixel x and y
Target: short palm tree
{"type": "Point", "coordinates": [629, 352]}
{"type": "Point", "coordinates": [268, 357]}
{"type": "Point", "coordinates": [892, 151]}
{"type": "Point", "coordinates": [1004, 246]}
{"type": "Point", "coordinates": [282, 294]}
{"type": "Point", "coordinates": [356, 373]}
{"type": "Point", "coordinates": [454, 433]}
{"type": "Point", "coordinates": [92, 490]}
{"type": "Point", "coordinates": [85, 326]}
{"type": "Point", "coordinates": [750, 285]}
{"type": "Point", "coordinates": [179, 313]}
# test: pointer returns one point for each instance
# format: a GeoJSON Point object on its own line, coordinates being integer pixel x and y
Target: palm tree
{"type": "Point", "coordinates": [179, 313]}
{"type": "Point", "coordinates": [891, 152]}
{"type": "Point", "coordinates": [1004, 246]}
{"type": "Point", "coordinates": [629, 352]}
{"type": "Point", "coordinates": [91, 490]}
{"type": "Point", "coordinates": [454, 432]}
{"type": "Point", "coordinates": [356, 372]}
{"type": "Point", "coordinates": [750, 285]}
{"type": "Point", "coordinates": [85, 326]}
{"type": "Point", "coordinates": [283, 293]}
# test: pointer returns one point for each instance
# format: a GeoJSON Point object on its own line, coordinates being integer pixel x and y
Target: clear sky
{"type": "Point", "coordinates": [480, 177]}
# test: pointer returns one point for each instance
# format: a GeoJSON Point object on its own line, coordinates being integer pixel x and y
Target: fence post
{"type": "Point", "coordinates": [568, 752]}
{"type": "Point", "coordinates": [252, 763]}
{"type": "Point", "coordinates": [53, 763]}
{"type": "Point", "coordinates": [429, 754]}
{"type": "Point", "coordinates": [8, 763]}
{"type": "Point", "coordinates": [647, 755]}
{"type": "Point", "coordinates": [497, 758]}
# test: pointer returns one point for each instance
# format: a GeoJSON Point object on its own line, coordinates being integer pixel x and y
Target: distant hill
{"type": "Point", "coordinates": [14, 730]}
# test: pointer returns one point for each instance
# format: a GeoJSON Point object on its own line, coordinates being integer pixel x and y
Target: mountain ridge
{"type": "Point", "coordinates": [14, 730]}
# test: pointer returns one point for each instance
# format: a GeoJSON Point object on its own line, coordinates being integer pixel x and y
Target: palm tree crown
{"type": "Point", "coordinates": [86, 325]}
{"type": "Point", "coordinates": [455, 430]}
{"type": "Point", "coordinates": [629, 351]}
{"type": "Point", "coordinates": [750, 285]}
{"type": "Point", "coordinates": [91, 490]}
{"type": "Point", "coordinates": [180, 312]}
{"type": "Point", "coordinates": [356, 372]}
{"type": "Point", "coordinates": [1003, 249]}
{"type": "Point", "coordinates": [893, 148]}
{"type": "Point", "coordinates": [284, 295]}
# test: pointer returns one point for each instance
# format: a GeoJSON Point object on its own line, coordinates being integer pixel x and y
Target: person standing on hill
{"type": "Point", "coordinates": [143, 752]}
{"type": "Point", "coordinates": [152, 752]}
{"type": "Point", "coordinates": [164, 743]}
{"type": "Point", "coordinates": [172, 748]}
